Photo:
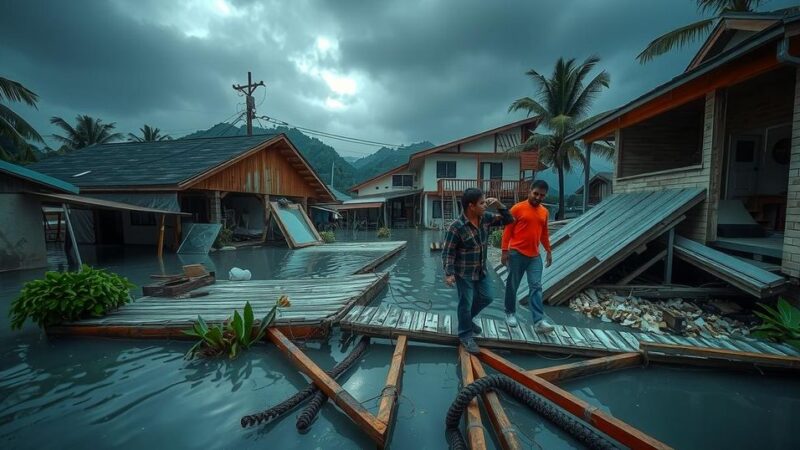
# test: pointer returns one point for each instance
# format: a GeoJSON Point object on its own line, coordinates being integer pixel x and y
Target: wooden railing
{"type": "Point", "coordinates": [492, 188]}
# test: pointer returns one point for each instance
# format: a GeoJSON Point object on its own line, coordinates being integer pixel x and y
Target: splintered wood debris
{"type": "Point", "coordinates": [649, 316]}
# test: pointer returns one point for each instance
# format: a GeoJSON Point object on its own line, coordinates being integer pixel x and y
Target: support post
{"type": "Point", "coordinates": [668, 260]}
{"type": "Point", "coordinates": [267, 217]}
{"type": "Point", "coordinates": [475, 436]}
{"type": "Point", "coordinates": [177, 240]}
{"type": "Point", "coordinates": [215, 210]}
{"type": "Point", "coordinates": [161, 237]}
{"type": "Point", "coordinates": [587, 168]}
{"type": "Point", "coordinates": [503, 429]}
{"type": "Point", "coordinates": [77, 252]}
{"type": "Point", "coordinates": [610, 425]}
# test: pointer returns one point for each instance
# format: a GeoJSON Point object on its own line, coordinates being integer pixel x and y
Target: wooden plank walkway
{"type": "Point", "coordinates": [390, 321]}
{"type": "Point", "coordinates": [316, 303]}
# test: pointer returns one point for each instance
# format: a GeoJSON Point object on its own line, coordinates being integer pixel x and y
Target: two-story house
{"type": "Point", "coordinates": [426, 190]}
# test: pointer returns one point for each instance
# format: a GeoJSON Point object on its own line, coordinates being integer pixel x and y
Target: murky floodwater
{"type": "Point", "coordinates": [103, 393]}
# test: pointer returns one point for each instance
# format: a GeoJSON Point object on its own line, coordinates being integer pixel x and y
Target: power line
{"type": "Point", "coordinates": [340, 137]}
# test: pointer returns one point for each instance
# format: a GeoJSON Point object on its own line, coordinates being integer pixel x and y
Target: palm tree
{"type": "Point", "coordinates": [149, 134]}
{"type": "Point", "coordinates": [563, 103]}
{"type": "Point", "coordinates": [87, 131]}
{"type": "Point", "coordinates": [16, 131]}
{"type": "Point", "coordinates": [689, 33]}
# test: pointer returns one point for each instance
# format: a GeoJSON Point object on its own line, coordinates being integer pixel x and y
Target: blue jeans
{"type": "Point", "coordinates": [519, 264]}
{"type": "Point", "coordinates": [473, 296]}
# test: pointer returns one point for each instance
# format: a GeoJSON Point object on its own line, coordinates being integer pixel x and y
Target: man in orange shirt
{"type": "Point", "coordinates": [521, 241]}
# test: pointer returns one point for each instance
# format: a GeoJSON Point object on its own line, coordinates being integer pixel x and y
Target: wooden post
{"type": "Point", "coordinates": [475, 436]}
{"type": "Point", "coordinates": [588, 367]}
{"type": "Point", "coordinates": [668, 260]}
{"type": "Point", "coordinates": [329, 386]}
{"type": "Point", "coordinates": [613, 427]}
{"type": "Point", "coordinates": [503, 428]}
{"type": "Point", "coordinates": [65, 207]}
{"type": "Point", "coordinates": [587, 168]}
{"type": "Point", "coordinates": [267, 217]}
{"type": "Point", "coordinates": [386, 214]}
{"type": "Point", "coordinates": [394, 381]}
{"type": "Point", "coordinates": [161, 237]}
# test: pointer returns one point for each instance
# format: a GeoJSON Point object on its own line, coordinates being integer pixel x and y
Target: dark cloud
{"type": "Point", "coordinates": [434, 70]}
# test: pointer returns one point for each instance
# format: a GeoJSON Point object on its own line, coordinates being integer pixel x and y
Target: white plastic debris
{"type": "Point", "coordinates": [237, 274]}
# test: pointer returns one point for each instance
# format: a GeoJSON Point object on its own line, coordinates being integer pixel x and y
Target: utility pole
{"type": "Point", "coordinates": [248, 90]}
{"type": "Point", "coordinates": [332, 163]}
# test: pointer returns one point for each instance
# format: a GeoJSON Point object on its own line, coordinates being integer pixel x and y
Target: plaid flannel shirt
{"type": "Point", "coordinates": [464, 249]}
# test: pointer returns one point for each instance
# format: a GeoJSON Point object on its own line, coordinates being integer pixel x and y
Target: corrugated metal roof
{"type": "Point", "coordinates": [90, 202]}
{"type": "Point", "coordinates": [37, 177]}
{"type": "Point", "coordinates": [163, 163]}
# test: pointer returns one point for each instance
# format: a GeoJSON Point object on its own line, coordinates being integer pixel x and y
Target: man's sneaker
{"type": "Point", "coordinates": [524, 301]}
{"type": "Point", "coordinates": [511, 320]}
{"type": "Point", "coordinates": [470, 346]}
{"type": "Point", "coordinates": [542, 326]}
{"type": "Point", "coordinates": [476, 328]}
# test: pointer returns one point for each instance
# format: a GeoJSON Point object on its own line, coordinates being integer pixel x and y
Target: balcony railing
{"type": "Point", "coordinates": [492, 188]}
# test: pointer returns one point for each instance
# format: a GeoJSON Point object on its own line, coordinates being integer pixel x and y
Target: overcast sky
{"type": "Point", "coordinates": [395, 72]}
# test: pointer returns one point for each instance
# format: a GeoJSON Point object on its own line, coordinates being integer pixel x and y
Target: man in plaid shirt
{"type": "Point", "coordinates": [464, 259]}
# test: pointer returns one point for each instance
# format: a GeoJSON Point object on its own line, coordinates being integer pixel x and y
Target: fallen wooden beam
{"type": "Point", "coordinates": [679, 353]}
{"type": "Point", "coordinates": [330, 387]}
{"type": "Point", "coordinates": [475, 435]}
{"type": "Point", "coordinates": [394, 380]}
{"type": "Point", "coordinates": [588, 367]}
{"type": "Point", "coordinates": [503, 429]}
{"type": "Point", "coordinates": [613, 427]}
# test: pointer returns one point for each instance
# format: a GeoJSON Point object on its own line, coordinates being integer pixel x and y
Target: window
{"type": "Point", "coordinates": [492, 171]}
{"type": "Point", "coordinates": [445, 169]}
{"type": "Point", "coordinates": [437, 208]}
{"type": "Point", "coordinates": [402, 180]}
{"type": "Point", "coordinates": [143, 219]}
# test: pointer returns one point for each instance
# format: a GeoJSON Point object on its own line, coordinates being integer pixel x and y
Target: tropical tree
{"type": "Point", "coordinates": [689, 33]}
{"type": "Point", "coordinates": [563, 102]}
{"type": "Point", "coordinates": [15, 132]}
{"type": "Point", "coordinates": [87, 131]}
{"type": "Point", "coordinates": [149, 134]}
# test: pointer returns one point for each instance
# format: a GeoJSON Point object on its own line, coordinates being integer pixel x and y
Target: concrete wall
{"type": "Point", "coordinates": [482, 145]}
{"type": "Point", "coordinates": [383, 185]}
{"type": "Point", "coordinates": [695, 225]}
{"type": "Point", "coordinates": [22, 244]}
{"type": "Point", "coordinates": [791, 239]}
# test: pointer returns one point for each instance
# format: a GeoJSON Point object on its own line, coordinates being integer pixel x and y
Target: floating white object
{"type": "Point", "coordinates": [237, 274]}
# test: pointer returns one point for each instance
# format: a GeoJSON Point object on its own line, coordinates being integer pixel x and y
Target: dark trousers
{"type": "Point", "coordinates": [473, 296]}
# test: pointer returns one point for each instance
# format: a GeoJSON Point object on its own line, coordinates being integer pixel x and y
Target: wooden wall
{"type": "Point", "coordinates": [761, 102]}
{"type": "Point", "coordinates": [274, 171]}
{"type": "Point", "coordinates": [668, 141]}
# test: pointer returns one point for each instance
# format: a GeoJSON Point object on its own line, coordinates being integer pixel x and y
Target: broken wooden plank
{"type": "Point", "coordinates": [475, 430]}
{"type": "Point", "coordinates": [606, 423]}
{"type": "Point", "coordinates": [503, 428]}
{"type": "Point", "coordinates": [354, 410]}
{"type": "Point", "coordinates": [592, 366]}
{"type": "Point", "coordinates": [387, 410]}
{"type": "Point", "coordinates": [641, 269]}
{"type": "Point", "coordinates": [667, 291]}
{"type": "Point", "coordinates": [680, 351]}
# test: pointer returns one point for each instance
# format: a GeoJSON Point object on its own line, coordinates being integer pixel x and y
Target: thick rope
{"type": "Point", "coordinates": [291, 402]}
{"type": "Point", "coordinates": [575, 428]}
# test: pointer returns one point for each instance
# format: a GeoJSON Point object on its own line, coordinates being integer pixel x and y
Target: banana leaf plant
{"type": "Point", "coordinates": [237, 333]}
{"type": "Point", "coordinates": [781, 324]}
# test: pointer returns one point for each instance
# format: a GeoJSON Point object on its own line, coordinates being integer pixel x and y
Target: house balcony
{"type": "Point", "coordinates": [504, 189]}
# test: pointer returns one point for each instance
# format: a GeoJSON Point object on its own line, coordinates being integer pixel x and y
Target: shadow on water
{"type": "Point", "coordinates": [103, 393]}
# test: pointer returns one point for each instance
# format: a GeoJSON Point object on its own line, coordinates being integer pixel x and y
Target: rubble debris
{"type": "Point", "coordinates": [654, 316]}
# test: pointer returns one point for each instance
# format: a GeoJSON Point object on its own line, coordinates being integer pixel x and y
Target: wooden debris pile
{"type": "Point", "coordinates": [653, 317]}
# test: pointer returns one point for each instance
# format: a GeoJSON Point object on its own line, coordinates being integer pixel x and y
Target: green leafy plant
{"type": "Point", "coordinates": [237, 333]}
{"type": "Point", "coordinates": [496, 238]}
{"type": "Point", "coordinates": [781, 324]}
{"type": "Point", "coordinates": [327, 236]}
{"type": "Point", "coordinates": [68, 296]}
{"type": "Point", "coordinates": [224, 238]}
{"type": "Point", "coordinates": [384, 232]}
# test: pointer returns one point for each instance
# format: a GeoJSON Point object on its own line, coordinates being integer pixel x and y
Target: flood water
{"type": "Point", "coordinates": [112, 393]}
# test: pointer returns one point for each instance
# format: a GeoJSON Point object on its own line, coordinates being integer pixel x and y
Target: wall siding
{"type": "Point", "coordinates": [694, 227]}
{"type": "Point", "coordinates": [791, 240]}
{"type": "Point", "coordinates": [265, 172]}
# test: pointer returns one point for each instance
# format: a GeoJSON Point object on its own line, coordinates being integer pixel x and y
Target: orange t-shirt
{"type": "Point", "coordinates": [528, 230]}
